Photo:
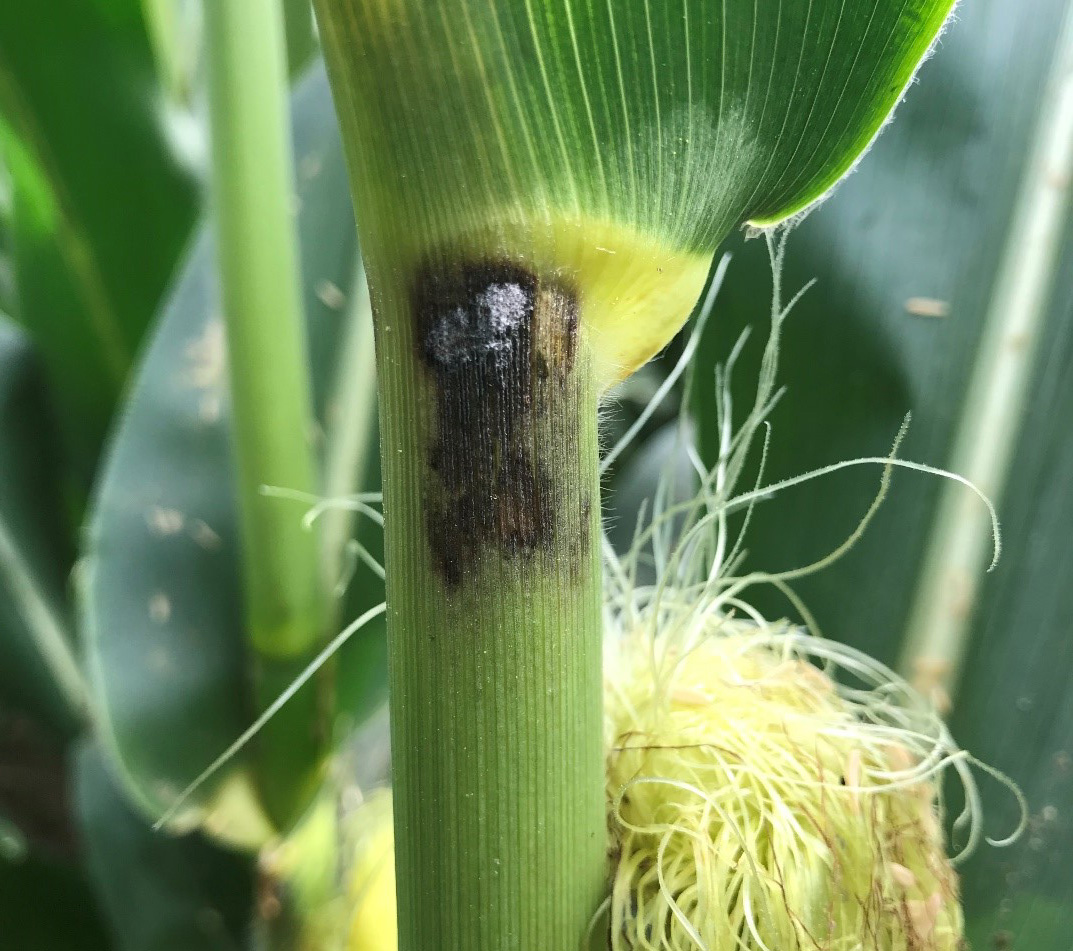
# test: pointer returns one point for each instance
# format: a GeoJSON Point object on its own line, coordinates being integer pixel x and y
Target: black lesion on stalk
{"type": "Point", "coordinates": [499, 345]}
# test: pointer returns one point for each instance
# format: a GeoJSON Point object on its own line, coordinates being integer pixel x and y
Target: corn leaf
{"type": "Point", "coordinates": [101, 206]}
{"type": "Point", "coordinates": [159, 893]}
{"type": "Point", "coordinates": [38, 670]}
{"type": "Point", "coordinates": [682, 118]}
{"type": "Point", "coordinates": [47, 905]}
{"type": "Point", "coordinates": [615, 143]}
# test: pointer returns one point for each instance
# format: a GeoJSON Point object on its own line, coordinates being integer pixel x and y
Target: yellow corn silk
{"type": "Point", "coordinates": [755, 804]}
{"type": "Point", "coordinates": [766, 788]}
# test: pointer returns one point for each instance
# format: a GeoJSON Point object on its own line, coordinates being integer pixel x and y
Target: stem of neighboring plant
{"type": "Point", "coordinates": [349, 447]}
{"type": "Point", "coordinates": [162, 21]}
{"type": "Point", "coordinates": [994, 409]}
{"type": "Point", "coordinates": [301, 40]}
{"type": "Point", "coordinates": [270, 387]}
{"type": "Point", "coordinates": [489, 448]}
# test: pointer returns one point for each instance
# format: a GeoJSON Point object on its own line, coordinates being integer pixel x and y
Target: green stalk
{"type": "Point", "coordinates": [270, 387]}
{"type": "Point", "coordinates": [991, 419]}
{"type": "Point", "coordinates": [350, 444]}
{"type": "Point", "coordinates": [489, 442]}
{"type": "Point", "coordinates": [162, 22]}
{"type": "Point", "coordinates": [298, 28]}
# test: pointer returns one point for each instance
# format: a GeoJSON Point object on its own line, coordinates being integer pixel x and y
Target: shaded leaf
{"type": "Point", "coordinates": [48, 906]}
{"type": "Point", "coordinates": [38, 672]}
{"type": "Point", "coordinates": [45, 900]}
{"type": "Point", "coordinates": [34, 798]}
{"type": "Point", "coordinates": [101, 205]}
{"type": "Point", "coordinates": [1015, 703]}
{"type": "Point", "coordinates": [160, 893]}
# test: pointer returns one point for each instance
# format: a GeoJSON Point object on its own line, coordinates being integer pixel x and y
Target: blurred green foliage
{"type": "Point", "coordinates": [924, 221]}
{"type": "Point", "coordinates": [98, 194]}
{"type": "Point", "coordinates": [162, 543]}
{"type": "Point", "coordinates": [98, 198]}
{"type": "Point", "coordinates": [103, 201]}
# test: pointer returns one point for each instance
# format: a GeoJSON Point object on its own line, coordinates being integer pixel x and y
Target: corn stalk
{"type": "Point", "coordinates": [540, 189]}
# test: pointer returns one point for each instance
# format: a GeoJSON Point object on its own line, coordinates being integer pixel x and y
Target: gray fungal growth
{"type": "Point", "coordinates": [489, 324]}
{"type": "Point", "coordinates": [499, 345]}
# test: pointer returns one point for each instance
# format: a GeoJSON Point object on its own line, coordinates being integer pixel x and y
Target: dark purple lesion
{"type": "Point", "coordinates": [499, 345]}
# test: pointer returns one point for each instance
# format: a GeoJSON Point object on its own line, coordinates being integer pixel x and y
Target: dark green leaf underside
{"type": "Point", "coordinates": [101, 205]}
{"type": "Point", "coordinates": [35, 553]}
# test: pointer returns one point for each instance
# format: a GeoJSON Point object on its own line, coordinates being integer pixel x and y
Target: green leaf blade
{"type": "Point", "coordinates": [38, 666]}
{"type": "Point", "coordinates": [159, 893]}
{"type": "Point", "coordinates": [681, 118]}
{"type": "Point", "coordinates": [103, 202]}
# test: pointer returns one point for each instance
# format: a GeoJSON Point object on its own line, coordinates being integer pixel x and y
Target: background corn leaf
{"type": "Point", "coordinates": [174, 30]}
{"type": "Point", "coordinates": [46, 902]}
{"type": "Point", "coordinates": [1015, 707]}
{"type": "Point", "coordinates": [101, 201]}
{"type": "Point", "coordinates": [38, 671]}
{"type": "Point", "coordinates": [49, 906]}
{"type": "Point", "coordinates": [906, 254]}
{"type": "Point", "coordinates": [160, 893]}
{"type": "Point", "coordinates": [7, 267]}
{"type": "Point", "coordinates": [162, 607]}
